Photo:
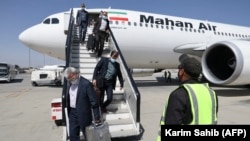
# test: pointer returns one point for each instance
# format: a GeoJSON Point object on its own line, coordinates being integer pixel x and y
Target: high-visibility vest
{"type": "Point", "coordinates": [203, 105]}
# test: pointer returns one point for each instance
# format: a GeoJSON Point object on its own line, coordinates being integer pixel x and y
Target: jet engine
{"type": "Point", "coordinates": [227, 63]}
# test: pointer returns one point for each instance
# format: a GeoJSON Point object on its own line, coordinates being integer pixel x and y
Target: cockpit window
{"type": "Point", "coordinates": [47, 21]}
{"type": "Point", "coordinates": [51, 21]}
{"type": "Point", "coordinates": [55, 21]}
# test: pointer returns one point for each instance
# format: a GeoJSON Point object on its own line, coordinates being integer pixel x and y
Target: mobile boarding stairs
{"type": "Point", "coordinates": [124, 112]}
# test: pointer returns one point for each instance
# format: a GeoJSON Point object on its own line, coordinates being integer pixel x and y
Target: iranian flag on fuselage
{"type": "Point", "coordinates": [117, 16]}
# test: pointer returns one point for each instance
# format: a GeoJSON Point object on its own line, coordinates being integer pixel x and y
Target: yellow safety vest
{"type": "Point", "coordinates": [203, 97]}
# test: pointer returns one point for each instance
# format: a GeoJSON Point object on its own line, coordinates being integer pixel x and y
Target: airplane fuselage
{"type": "Point", "coordinates": [153, 35]}
{"type": "Point", "coordinates": [146, 40]}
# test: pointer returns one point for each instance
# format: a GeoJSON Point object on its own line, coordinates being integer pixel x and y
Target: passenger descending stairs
{"type": "Point", "coordinates": [119, 117]}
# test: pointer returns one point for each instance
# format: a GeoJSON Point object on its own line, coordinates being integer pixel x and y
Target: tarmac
{"type": "Point", "coordinates": [25, 110]}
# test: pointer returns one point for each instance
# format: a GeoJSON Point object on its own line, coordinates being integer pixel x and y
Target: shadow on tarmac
{"type": "Point", "coordinates": [160, 81]}
{"type": "Point", "coordinates": [13, 81]}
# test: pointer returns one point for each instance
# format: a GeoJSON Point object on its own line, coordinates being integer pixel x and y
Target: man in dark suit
{"type": "Point", "coordinates": [109, 69]}
{"type": "Point", "coordinates": [100, 31]}
{"type": "Point", "coordinates": [82, 19]}
{"type": "Point", "coordinates": [81, 98]}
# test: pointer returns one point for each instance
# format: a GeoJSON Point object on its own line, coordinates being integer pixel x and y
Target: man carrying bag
{"type": "Point", "coordinates": [108, 69]}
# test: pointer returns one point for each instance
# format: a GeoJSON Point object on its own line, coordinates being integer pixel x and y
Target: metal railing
{"type": "Point", "coordinates": [67, 54]}
{"type": "Point", "coordinates": [131, 91]}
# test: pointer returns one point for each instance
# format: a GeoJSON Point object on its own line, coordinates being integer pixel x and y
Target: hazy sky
{"type": "Point", "coordinates": [18, 15]}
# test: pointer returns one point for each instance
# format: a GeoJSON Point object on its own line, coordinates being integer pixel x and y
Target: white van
{"type": "Point", "coordinates": [46, 77]}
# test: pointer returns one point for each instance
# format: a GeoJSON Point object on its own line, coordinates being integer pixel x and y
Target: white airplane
{"type": "Point", "coordinates": [157, 41]}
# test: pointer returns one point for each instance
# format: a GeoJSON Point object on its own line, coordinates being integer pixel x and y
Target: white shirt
{"type": "Point", "coordinates": [103, 25]}
{"type": "Point", "coordinates": [73, 94]}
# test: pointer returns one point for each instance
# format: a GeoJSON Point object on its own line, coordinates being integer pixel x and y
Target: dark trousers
{"type": "Point", "coordinates": [108, 87]}
{"type": "Point", "coordinates": [82, 31]}
{"type": "Point", "coordinates": [99, 44]}
{"type": "Point", "coordinates": [75, 126]}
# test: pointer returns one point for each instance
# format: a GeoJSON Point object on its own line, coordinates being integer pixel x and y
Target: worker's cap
{"type": "Point", "coordinates": [191, 66]}
{"type": "Point", "coordinates": [82, 5]}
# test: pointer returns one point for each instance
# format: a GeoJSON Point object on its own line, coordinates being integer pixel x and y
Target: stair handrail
{"type": "Point", "coordinates": [67, 61]}
{"type": "Point", "coordinates": [130, 78]}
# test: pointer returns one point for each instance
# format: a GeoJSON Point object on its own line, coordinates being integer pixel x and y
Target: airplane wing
{"type": "Point", "coordinates": [191, 48]}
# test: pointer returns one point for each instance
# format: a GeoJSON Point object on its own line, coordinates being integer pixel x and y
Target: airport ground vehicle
{"type": "Point", "coordinates": [56, 111]}
{"type": "Point", "coordinates": [48, 75]}
{"type": "Point", "coordinates": [7, 72]}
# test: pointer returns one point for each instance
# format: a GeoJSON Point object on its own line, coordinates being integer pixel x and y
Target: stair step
{"type": "Point", "coordinates": [80, 51]}
{"type": "Point", "coordinates": [117, 110]}
{"type": "Point", "coordinates": [117, 89]}
{"type": "Point", "coordinates": [110, 116]}
{"type": "Point", "coordinates": [76, 55]}
{"type": "Point", "coordinates": [87, 65]}
{"type": "Point", "coordinates": [84, 60]}
{"type": "Point", "coordinates": [78, 47]}
{"type": "Point", "coordinates": [119, 121]}
{"type": "Point", "coordinates": [118, 97]}
{"type": "Point", "coordinates": [86, 71]}
{"type": "Point", "coordinates": [117, 106]}
{"type": "Point", "coordinates": [122, 130]}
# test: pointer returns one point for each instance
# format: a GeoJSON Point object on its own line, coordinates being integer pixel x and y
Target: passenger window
{"type": "Point", "coordinates": [43, 76]}
{"type": "Point", "coordinates": [47, 21]}
{"type": "Point", "coordinates": [110, 22]}
{"type": "Point", "coordinates": [135, 24]}
{"type": "Point", "coordinates": [55, 21]}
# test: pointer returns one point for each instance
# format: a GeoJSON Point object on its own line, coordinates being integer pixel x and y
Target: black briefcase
{"type": "Point", "coordinates": [91, 42]}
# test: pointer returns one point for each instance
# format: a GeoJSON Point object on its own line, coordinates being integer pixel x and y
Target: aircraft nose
{"type": "Point", "coordinates": [24, 37]}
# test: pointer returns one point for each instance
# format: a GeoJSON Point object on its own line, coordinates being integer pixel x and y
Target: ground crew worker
{"type": "Point", "coordinates": [192, 103]}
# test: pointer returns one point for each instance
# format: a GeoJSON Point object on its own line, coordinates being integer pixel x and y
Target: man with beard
{"type": "Point", "coordinates": [81, 98]}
